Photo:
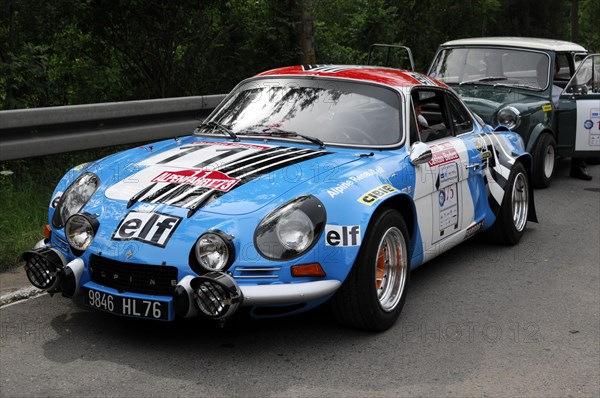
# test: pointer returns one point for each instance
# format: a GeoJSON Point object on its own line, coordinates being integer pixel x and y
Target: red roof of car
{"type": "Point", "coordinates": [390, 76]}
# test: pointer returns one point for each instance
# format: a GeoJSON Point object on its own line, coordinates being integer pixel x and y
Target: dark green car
{"type": "Point", "coordinates": [546, 90]}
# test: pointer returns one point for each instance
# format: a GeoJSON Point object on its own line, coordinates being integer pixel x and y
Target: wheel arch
{"type": "Point", "coordinates": [404, 204]}
{"type": "Point", "coordinates": [536, 133]}
{"type": "Point", "coordinates": [527, 161]}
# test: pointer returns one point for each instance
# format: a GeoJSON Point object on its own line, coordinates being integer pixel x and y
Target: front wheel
{"type": "Point", "coordinates": [544, 157]}
{"type": "Point", "coordinates": [373, 294]}
{"type": "Point", "coordinates": [512, 217]}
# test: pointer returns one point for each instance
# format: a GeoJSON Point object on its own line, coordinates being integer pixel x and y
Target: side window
{"type": "Point", "coordinates": [430, 112]}
{"type": "Point", "coordinates": [461, 119]}
{"type": "Point", "coordinates": [562, 69]}
{"type": "Point", "coordinates": [587, 79]}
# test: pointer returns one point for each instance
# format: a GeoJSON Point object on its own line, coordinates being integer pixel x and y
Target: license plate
{"type": "Point", "coordinates": [128, 306]}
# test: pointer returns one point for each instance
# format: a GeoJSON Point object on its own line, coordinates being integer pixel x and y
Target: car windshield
{"type": "Point", "coordinates": [494, 66]}
{"type": "Point", "coordinates": [330, 111]}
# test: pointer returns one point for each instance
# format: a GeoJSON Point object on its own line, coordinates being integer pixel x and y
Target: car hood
{"type": "Point", "coordinates": [220, 177]}
{"type": "Point", "coordinates": [486, 100]}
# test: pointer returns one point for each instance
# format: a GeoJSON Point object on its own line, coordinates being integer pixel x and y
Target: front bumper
{"type": "Point", "coordinates": [216, 295]}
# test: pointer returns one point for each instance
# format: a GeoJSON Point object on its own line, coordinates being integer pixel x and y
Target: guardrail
{"type": "Point", "coordinates": [44, 131]}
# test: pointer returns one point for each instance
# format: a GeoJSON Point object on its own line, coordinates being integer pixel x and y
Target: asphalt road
{"type": "Point", "coordinates": [481, 320]}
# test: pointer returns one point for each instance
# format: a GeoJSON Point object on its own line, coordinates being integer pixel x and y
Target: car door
{"type": "Point", "coordinates": [579, 111]}
{"type": "Point", "coordinates": [446, 201]}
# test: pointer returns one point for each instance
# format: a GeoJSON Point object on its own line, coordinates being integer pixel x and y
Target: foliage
{"type": "Point", "coordinates": [589, 27]}
{"type": "Point", "coordinates": [65, 52]}
{"type": "Point", "coordinates": [25, 190]}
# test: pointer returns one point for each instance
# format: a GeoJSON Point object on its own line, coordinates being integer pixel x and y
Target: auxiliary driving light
{"type": "Point", "coordinates": [213, 251]}
{"type": "Point", "coordinates": [216, 294]}
{"type": "Point", "coordinates": [41, 266]}
{"type": "Point", "coordinates": [80, 230]}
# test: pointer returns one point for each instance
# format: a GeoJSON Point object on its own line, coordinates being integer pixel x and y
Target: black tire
{"type": "Point", "coordinates": [544, 157]}
{"type": "Point", "coordinates": [363, 301]}
{"type": "Point", "coordinates": [512, 217]}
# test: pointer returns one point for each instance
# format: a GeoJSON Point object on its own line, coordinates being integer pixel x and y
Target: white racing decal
{"type": "Point", "coordinates": [342, 235]}
{"type": "Point", "coordinates": [152, 228]}
{"type": "Point", "coordinates": [493, 187]}
{"type": "Point", "coordinates": [255, 170]}
{"type": "Point", "coordinates": [187, 176]}
{"type": "Point", "coordinates": [341, 187]}
{"type": "Point", "coordinates": [326, 68]}
{"type": "Point", "coordinates": [234, 145]}
{"type": "Point", "coordinates": [421, 78]}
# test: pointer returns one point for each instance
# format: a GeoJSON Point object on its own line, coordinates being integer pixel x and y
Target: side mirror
{"type": "Point", "coordinates": [420, 153]}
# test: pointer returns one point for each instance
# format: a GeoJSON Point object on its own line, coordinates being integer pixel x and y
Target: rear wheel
{"type": "Point", "coordinates": [373, 294]}
{"type": "Point", "coordinates": [544, 156]}
{"type": "Point", "coordinates": [512, 217]}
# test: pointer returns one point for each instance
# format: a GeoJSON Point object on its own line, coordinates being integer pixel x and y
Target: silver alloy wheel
{"type": "Point", "coordinates": [391, 269]}
{"type": "Point", "coordinates": [520, 201]}
{"type": "Point", "coordinates": [549, 158]}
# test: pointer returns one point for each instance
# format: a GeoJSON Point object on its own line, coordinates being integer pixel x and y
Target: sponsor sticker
{"type": "Point", "coordinates": [443, 153]}
{"type": "Point", "coordinates": [448, 174]}
{"type": "Point", "coordinates": [342, 235]}
{"type": "Point", "coordinates": [152, 228]}
{"type": "Point", "coordinates": [375, 194]}
{"type": "Point", "coordinates": [448, 201]}
{"type": "Point", "coordinates": [211, 179]}
{"type": "Point", "coordinates": [341, 187]}
{"type": "Point", "coordinates": [473, 229]}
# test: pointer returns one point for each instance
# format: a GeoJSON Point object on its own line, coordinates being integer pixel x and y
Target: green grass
{"type": "Point", "coordinates": [25, 190]}
{"type": "Point", "coordinates": [23, 214]}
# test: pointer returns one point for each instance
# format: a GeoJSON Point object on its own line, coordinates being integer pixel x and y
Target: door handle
{"type": "Point", "coordinates": [473, 166]}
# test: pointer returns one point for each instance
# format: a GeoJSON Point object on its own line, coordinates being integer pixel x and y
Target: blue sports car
{"type": "Point", "coordinates": [307, 184]}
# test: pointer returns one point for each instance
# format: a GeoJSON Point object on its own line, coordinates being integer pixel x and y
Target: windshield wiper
{"type": "Point", "coordinates": [484, 79]}
{"type": "Point", "coordinates": [519, 85]}
{"type": "Point", "coordinates": [219, 127]}
{"type": "Point", "coordinates": [274, 131]}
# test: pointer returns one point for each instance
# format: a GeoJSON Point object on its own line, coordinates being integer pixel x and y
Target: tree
{"type": "Point", "coordinates": [589, 30]}
{"type": "Point", "coordinates": [307, 36]}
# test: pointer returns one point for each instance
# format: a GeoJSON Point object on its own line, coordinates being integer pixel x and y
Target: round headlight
{"type": "Point", "coordinates": [214, 251]}
{"type": "Point", "coordinates": [80, 231]}
{"type": "Point", "coordinates": [74, 198]}
{"type": "Point", "coordinates": [291, 229]}
{"type": "Point", "coordinates": [295, 230]}
{"type": "Point", "coordinates": [510, 117]}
